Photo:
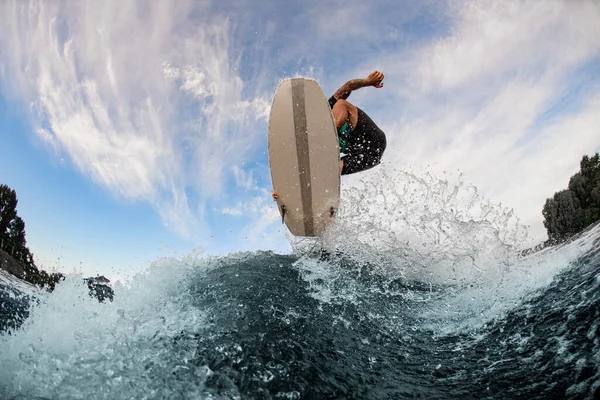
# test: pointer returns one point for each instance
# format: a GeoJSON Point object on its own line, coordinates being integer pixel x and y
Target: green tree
{"type": "Point", "coordinates": [8, 209]}
{"type": "Point", "coordinates": [12, 234]}
{"type": "Point", "coordinates": [561, 215]}
{"type": "Point", "coordinates": [16, 237]}
{"type": "Point", "coordinates": [12, 227]}
{"type": "Point", "coordinates": [574, 209]}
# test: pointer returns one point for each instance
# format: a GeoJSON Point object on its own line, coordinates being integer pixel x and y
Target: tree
{"type": "Point", "coordinates": [561, 215]}
{"type": "Point", "coordinates": [12, 227]}
{"type": "Point", "coordinates": [574, 209]}
{"type": "Point", "coordinates": [12, 233]}
{"type": "Point", "coordinates": [16, 237]}
{"type": "Point", "coordinates": [8, 209]}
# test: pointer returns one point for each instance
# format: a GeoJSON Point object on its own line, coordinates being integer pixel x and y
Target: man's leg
{"type": "Point", "coordinates": [344, 111]}
{"type": "Point", "coordinates": [367, 149]}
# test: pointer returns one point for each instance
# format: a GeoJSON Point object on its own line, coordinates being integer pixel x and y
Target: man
{"type": "Point", "coordinates": [360, 139]}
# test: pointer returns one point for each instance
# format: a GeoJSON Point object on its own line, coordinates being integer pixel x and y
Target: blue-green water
{"type": "Point", "coordinates": [459, 316]}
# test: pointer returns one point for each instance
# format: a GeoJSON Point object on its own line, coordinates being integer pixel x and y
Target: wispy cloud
{"type": "Point", "coordinates": [167, 102]}
{"type": "Point", "coordinates": [496, 41]}
{"type": "Point", "coordinates": [144, 98]}
{"type": "Point", "coordinates": [482, 99]}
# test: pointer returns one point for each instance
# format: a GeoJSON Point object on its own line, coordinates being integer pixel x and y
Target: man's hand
{"type": "Point", "coordinates": [275, 195]}
{"type": "Point", "coordinates": [375, 78]}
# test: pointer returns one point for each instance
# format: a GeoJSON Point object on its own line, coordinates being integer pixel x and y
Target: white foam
{"type": "Point", "coordinates": [71, 343]}
{"type": "Point", "coordinates": [14, 282]}
{"type": "Point", "coordinates": [417, 227]}
{"type": "Point", "coordinates": [490, 299]}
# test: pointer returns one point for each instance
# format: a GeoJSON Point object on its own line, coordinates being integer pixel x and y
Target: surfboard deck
{"type": "Point", "coordinates": [304, 156]}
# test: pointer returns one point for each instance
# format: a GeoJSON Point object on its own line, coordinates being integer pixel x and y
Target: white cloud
{"type": "Point", "coordinates": [492, 38]}
{"type": "Point", "coordinates": [478, 99]}
{"type": "Point", "coordinates": [264, 230]}
{"type": "Point", "coordinates": [231, 211]}
{"type": "Point", "coordinates": [164, 102]}
{"type": "Point", "coordinates": [144, 98]}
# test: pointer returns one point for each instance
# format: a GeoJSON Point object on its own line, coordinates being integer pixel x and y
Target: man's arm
{"type": "Point", "coordinates": [375, 78]}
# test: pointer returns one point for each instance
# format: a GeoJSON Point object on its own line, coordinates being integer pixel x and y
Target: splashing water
{"type": "Point", "coordinates": [423, 228]}
{"type": "Point", "coordinates": [417, 290]}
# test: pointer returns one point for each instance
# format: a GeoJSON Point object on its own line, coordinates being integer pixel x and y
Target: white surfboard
{"type": "Point", "coordinates": [304, 156]}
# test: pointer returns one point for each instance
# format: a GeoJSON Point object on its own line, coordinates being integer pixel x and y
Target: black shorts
{"type": "Point", "coordinates": [365, 147]}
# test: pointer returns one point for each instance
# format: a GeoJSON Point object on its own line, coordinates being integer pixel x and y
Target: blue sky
{"type": "Point", "coordinates": [135, 130]}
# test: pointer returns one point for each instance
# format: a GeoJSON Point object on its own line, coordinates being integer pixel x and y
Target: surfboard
{"type": "Point", "coordinates": [304, 156]}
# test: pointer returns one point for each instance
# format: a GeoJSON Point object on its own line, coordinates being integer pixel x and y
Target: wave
{"type": "Point", "coordinates": [418, 289]}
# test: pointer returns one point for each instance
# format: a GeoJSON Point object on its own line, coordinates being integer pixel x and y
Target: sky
{"type": "Point", "coordinates": [133, 130]}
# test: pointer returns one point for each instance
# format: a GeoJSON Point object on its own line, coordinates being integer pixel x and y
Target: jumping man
{"type": "Point", "coordinates": [361, 141]}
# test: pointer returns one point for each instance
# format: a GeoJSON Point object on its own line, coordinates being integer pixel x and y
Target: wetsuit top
{"type": "Point", "coordinates": [365, 143]}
